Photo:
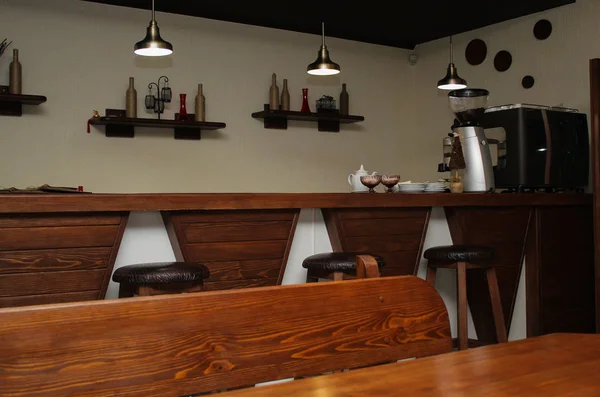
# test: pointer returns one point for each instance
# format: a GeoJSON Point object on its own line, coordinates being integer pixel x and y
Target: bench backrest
{"type": "Point", "coordinates": [180, 345]}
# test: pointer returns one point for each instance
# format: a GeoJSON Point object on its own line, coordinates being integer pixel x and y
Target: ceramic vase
{"type": "Point", "coordinates": [200, 111]}
{"type": "Point", "coordinates": [131, 100]}
{"type": "Point", "coordinates": [285, 96]}
{"type": "Point", "coordinates": [15, 71]}
{"type": "Point", "coordinates": [344, 101]}
{"type": "Point", "coordinates": [274, 94]}
{"type": "Point", "coordinates": [183, 114]}
{"type": "Point", "coordinates": [305, 106]}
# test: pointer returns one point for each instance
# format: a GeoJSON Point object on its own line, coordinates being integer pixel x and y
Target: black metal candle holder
{"type": "Point", "coordinates": [156, 102]}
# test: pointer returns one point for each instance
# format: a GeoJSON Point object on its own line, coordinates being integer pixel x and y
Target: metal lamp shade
{"type": "Point", "coordinates": [167, 94]}
{"type": "Point", "coordinates": [153, 45]}
{"type": "Point", "coordinates": [323, 66]}
{"type": "Point", "coordinates": [452, 81]}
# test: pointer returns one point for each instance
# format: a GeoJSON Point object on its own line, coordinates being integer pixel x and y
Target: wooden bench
{"type": "Point", "coordinates": [181, 345]}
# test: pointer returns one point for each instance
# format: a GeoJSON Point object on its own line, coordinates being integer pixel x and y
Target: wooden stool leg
{"type": "Point", "coordinates": [310, 277]}
{"type": "Point", "coordinates": [431, 274]}
{"type": "Point", "coordinates": [338, 276]}
{"type": "Point", "coordinates": [463, 324]}
{"type": "Point", "coordinates": [496, 305]}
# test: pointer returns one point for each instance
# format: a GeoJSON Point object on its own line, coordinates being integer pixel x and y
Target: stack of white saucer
{"type": "Point", "coordinates": [411, 187]}
{"type": "Point", "coordinates": [437, 187]}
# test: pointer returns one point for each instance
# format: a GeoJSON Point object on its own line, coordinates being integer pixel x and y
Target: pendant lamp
{"type": "Point", "coordinates": [153, 45]}
{"type": "Point", "coordinates": [323, 66]}
{"type": "Point", "coordinates": [452, 81]}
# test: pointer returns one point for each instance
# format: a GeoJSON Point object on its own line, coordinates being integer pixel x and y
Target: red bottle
{"type": "Point", "coordinates": [183, 114]}
{"type": "Point", "coordinates": [305, 107]}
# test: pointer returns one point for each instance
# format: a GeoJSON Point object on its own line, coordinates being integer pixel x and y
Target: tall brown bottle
{"type": "Point", "coordinates": [285, 96]}
{"type": "Point", "coordinates": [15, 84]}
{"type": "Point", "coordinates": [131, 100]}
{"type": "Point", "coordinates": [274, 94]}
{"type": "Point", "coordinates": [344, 101]}
{"type": "Point", "coordinates": [200, 110]}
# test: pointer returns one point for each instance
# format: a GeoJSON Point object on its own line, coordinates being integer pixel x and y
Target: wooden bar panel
{"type": "Point", "coordinates": [57, 237]}
{"type": "Point", "coordinates": [236, 251]}
{"type": "Point", "coordinates": [382, 227]}
{"type": "Point", "coordinates": [47, 258]}
{"type": "Point", "coordinates": [53, 260]}
{"type": "Point", "coordinates": [50, 282]}
{"type": "Point", "coordinates": [241, 270]}
{"type": "Point", "coordinates": [501, 228]}
{"type": "Point", "coordinates": [382, 213]}
{"type": "Point", "coordinates": [595, 153]}
{"type": "Point", "coordinates": [560, 272]}
{"type": "Point", "coordinates": [15, 301]}
{"type": "Point", "coordinates": [241, 249]}
{"type": "Point", "coordinates": [396, 234]}
{"type": "Point", "coordinates": [236, 231]}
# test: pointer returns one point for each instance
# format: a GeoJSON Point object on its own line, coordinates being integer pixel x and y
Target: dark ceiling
{"type": "Point", "coordinates": [400, 23]}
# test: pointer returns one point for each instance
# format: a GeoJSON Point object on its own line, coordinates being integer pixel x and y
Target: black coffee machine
{"type": "Point", "coordinates": [538, 147]}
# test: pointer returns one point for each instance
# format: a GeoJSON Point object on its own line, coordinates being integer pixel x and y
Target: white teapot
{"type": "Point", "coordinates": [354, 180]}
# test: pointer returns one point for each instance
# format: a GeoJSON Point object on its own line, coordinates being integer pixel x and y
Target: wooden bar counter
{"type": "Point", "coordinates": [60, 248]}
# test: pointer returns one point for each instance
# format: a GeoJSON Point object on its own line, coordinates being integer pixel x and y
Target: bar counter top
{"type": "Point", "coordinates": [49, 203]}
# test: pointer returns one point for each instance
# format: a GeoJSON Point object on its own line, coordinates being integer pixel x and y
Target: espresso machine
{"type": "Point", "coordinates": [469, 107]}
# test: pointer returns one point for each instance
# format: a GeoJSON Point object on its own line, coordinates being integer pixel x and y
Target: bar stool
{"type": "Point", "coordinates": [462, 258]}
{"type": "Point", "coordinates": [147, 279]}
{"type": "Point", "coordinates": [339, 266]}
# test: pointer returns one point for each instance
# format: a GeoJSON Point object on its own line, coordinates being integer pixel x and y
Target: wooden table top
{"type": "Point", "coordinates": [551, 365]}
{"type": "Point", "coordinates": [45, 203]}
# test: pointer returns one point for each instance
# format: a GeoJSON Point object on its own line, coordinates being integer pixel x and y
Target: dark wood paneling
{"type": "Point", "coordinates": [396, 234]}
{"type": "Point", "coordinates": [560, 272]}
{"type": "Point", "coordinates": [236, 231]}
{"type": "Point", "coordinates": [50, 282]}
{"type": "Point", "coordinates": [235, 251]}
{"type": "Point", "coordinates": [186, 344]}
{"type": "Point", "coordinates": [48, 255]}
{"type": "Point", "coordinates": [382, 213]}
{"type": "Point", "coordinates": [15, 301]}
{"type": "Point", "coordinates": [51, 203]}
{"type": "Point", "coordinates": [382, 227]}
{"type": "Point", "coordinates": [241, 270]}
{"type": "Point", "coordinates": [53, 260]}
{"type": "Point", "coordinates": [240, 248]}
{"type": "Point", "coordinates": [595, 151]}
{"type": "Point", "coordinates": [504, 229]}
{"type": "Point", "coordinates": [389, 243]}
{"type": "Point", "coordinates": [57, 237]}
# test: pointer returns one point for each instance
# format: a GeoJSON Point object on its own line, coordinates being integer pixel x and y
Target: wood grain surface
{"type": "Point", "coordinates": [50, 203]}
{"type": "Point", "coordinates": [48, 258]}
{"type": "Point", "coordinates": [180, 345]}
{"type": "Point", "coordinates": [240, 248]}
{"type": "Point", "coordinates": [560, 365]}
{"type": "Point", "coordinates": [396, 234]}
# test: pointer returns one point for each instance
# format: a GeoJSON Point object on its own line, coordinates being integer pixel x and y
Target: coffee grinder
{"type": "Point", "coordinates": [469, 107]}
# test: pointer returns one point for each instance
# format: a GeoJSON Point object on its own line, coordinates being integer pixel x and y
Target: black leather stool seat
{"type": "Point", "coordinates": [460, 253]}
{"type": "Point", "coordinates": [336, 261]}
{"type": "Point", "coordinates": [161, 273]}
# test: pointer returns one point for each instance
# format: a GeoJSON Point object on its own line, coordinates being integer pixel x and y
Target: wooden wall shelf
{"type": "Point", "coordinates": [117, 125]}
{"type": "Point", "coordinates": [328, 122]}
{"type": "Point", "coordinates": [12, 104]}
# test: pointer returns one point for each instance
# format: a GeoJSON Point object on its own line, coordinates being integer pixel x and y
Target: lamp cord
{"type": "Point", "coordinates": [451, 51]}
{"type": "Point", "coordinates": [323, 32]}
{"type": "Point", "coordinates": [153, 15]}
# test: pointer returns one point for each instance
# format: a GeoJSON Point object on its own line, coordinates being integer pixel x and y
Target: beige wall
{"type": "Point", "coordinates": [80, 55]}
{"type": "Point", "coordinates": [559, 65]}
